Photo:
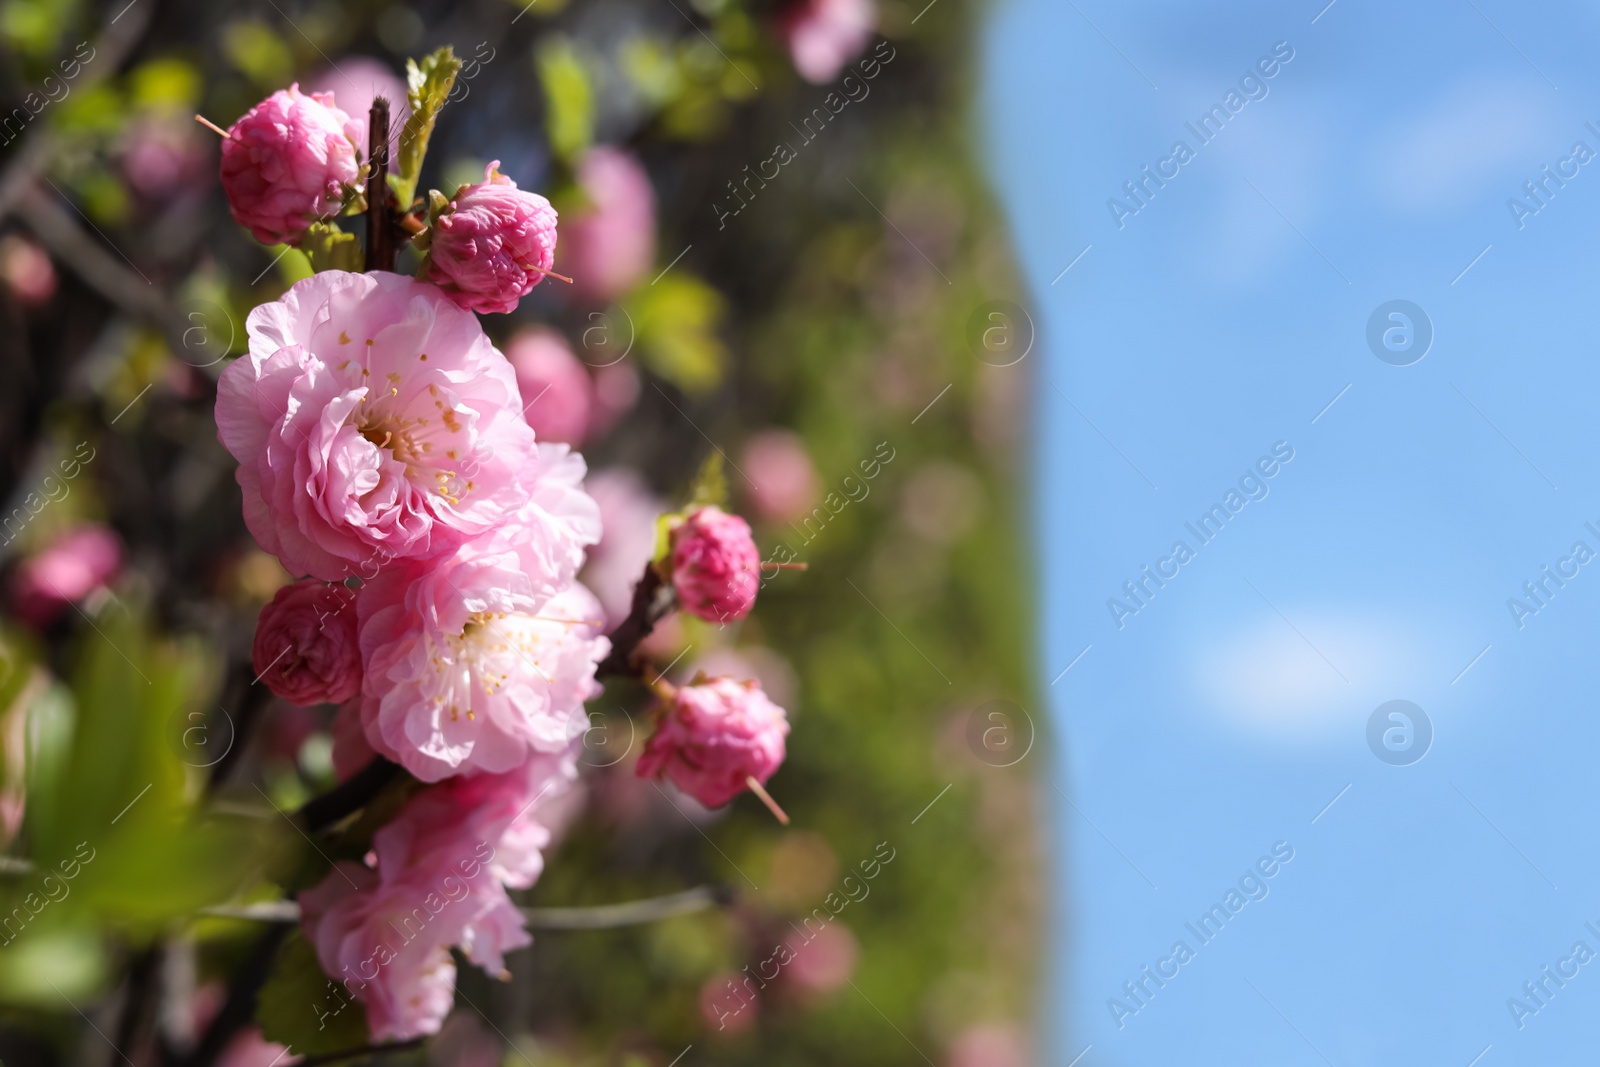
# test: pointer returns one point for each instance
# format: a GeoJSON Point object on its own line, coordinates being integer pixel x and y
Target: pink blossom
{"type": "Point", "coordinates": [27, 270]}
{"type": "Point", "coordinates": [610, 245]}
{"type": "Point", "coordinates": [824, 35]}
{"type": "Point", "coordinates": [990, 1045]}
{"type": "Point", "coordinates": [390, 945]}
{"type": "Point", "coordinates": [825, 961]}
{"type": "Point", "coordinates": [359, 80]}
{"type": "Point", "coordinates": [372, 420]}
{"type": "Point", "coordinates": [616, 391]}
{"type": "Point", "coordinates": [715, 565]}
{"type": "Point", "coordinates": [437, 879]}
{"type": "Point", "coordinates": [485, 656]}
{"type": "Point", "coordinates": [305, 649]}
{"type": "Point", "coordinates": [784, 481]}
{"type": "Point", "coordinates": [476, 690]}
{"type": "Point", "coordinates": [556, 390]}
{"type": "Point", "coordinates": [628, 514]}
{"type": "Point", "coordinates": [163, 154]}
{"type": "Point", "coordinates": [713, 735]}
{"type": "Point", "coordinates": [729, 1003]}
{"type": "Point", "coordinates": [250, 1049]}
{"type": "Point", "coordinates": [72, 567]}
{"type": "Point", "coordinates": [493, 244]}
{"type": "Point", "coordinates": [287, 162]}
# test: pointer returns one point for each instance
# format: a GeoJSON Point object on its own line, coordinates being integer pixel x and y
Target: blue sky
{"type": "Point", "coordinates": [1229, 316]}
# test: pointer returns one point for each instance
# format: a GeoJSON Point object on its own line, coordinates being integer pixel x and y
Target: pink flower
{"type": "Point", "coordinates": [825, 961]}
{"type": "Point", "coordinates": [556, 390]}
{"type": "Point", "coordinates": [162, 155]}
{"type": "Point", "coordinates": [359, 80]}
{"type": "Point", "coordinates": [484, 682]}
{"type": "Point", "coordinates": [493, 244]}
{"type": "Point", "coordinates": [72, 567]}
{"type": "Point", "coordinates": [713, 735]}
{"type": "Point", "coordinates": [372, 420]}
{"type": "Point", "coordinates": [610, 245]}
{"type": "Point", "coordinates": [27, 270]}
{"type": "Point", "coordinates": [305, 649]}
{"type": "Point", "coordinates": [251, 1049]}
{"type": "Point", "coordinates": [437, 880]}
{"type": "Point", "coordinates": [729, 1003]}
{"type": "Point", "coordinates": [715, 565]}
{"type": "Point", "coordinates": [784, 481]}
{"type": "Point", "coordinates": [288, 162]}
{"type": "Point", "coordinates": [824, 35]}
{"type": "Point", "coordinates": [390, 944]}
{"type": "Point", "coordinates": [996, 1044]}
{"type": "Point", "coordinates": [628, 514]}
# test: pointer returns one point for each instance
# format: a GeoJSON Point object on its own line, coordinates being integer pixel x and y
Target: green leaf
{"type": "Point", "coordinates": [302, 1008]}
{"type": "Point", "coordinates": [569, 99]}
{"type": "Point", "coordinates": [330, 248]}
{"type": "Point", "coordinates": [428, 87]}
{"type": "Point", "coordinates": [710, 485]}
{"type": "Point", "coordinates": [676, 322]}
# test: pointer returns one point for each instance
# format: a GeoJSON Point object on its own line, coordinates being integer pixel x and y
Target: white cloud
{"type": "Point", "coordinates": [1480, 137]}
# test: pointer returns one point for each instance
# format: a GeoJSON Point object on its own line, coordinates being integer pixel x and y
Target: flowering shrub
{"type": "Point", "coordinates": [377, 427]}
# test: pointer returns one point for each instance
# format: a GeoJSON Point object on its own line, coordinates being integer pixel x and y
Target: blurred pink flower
{"type": "Point", "coordinates": [825, 962]}
{"type": "Point", "coordinates": [287, 162]}
{"type": "Point", "coordinates": [72, 567]}
{"type": "Point", "coordinates": [372, 420]}
{"type": "Point", "coordinates": [441, 867]}
{"type": "Point", "coordinates": [358, 80]}
{"type": "Point", "coordinates": [557, 394]}
{"type": "Point", "coordinates": [715, 734]}
{"type": "Point", "coordinates": [716, 568]}
{"type": "Point", "coordinates": [250, 1049]}
{"type": "Point", "coordinates": [27, 270]}
{"type": "Point", "coordinates": [729, 1003]}
{"type": "Point", "coordinates": [305, 647]}
{"type": "Point", "coordinates": [163, 154]}
{"type": "Point", "coordinates": [784, 482]}
{"type": "Point", "coordinates": [824, 35]}
{"type": "Point", "coordinates": [616, 391]}
{"type": "Point", "coordinates": [628, 512]}
{"type": "Point", "coordinates": [493, 244]}
{"type": "Point", "coordinates": [989, 1045]}
{"type": "Point", "coordinates": [609, 245]}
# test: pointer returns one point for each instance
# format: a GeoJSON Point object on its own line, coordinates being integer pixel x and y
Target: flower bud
{"type": "Point", "coordinates": [305, 649]}
{"type": "Point", "coordinates": [715, 565]}
{"type": "Point", "coordinates": [715, 734]}
{"type": "Point", "coordinates": [290, 161]}
{"type": "Point", "coordinates": [493, 244]}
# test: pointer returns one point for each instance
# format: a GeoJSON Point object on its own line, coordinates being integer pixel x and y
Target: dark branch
{"type": "Point", "coordinates": [363, 1052]}
{"type": "Point", "coordinates": [382, 251]}
{"type": "Point", "coordinates": [350, 795]}
{"type": "Point", "coordinates": [653, 599]}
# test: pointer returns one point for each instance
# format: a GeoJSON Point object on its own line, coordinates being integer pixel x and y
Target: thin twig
{"type": "Point", "coordinates": [595, 917]}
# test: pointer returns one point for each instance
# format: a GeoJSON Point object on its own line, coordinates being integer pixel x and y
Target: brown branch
{"type": "Point", "coordinates": [350, 795]}
{"type": "Point", "coordinates": [382, 251]}
{"type": "Point", "coordinates": [653, 600]}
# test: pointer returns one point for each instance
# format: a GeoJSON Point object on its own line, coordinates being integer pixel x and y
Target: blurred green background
{"type": "Point", "coordinates": [812, 327]}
